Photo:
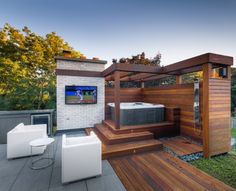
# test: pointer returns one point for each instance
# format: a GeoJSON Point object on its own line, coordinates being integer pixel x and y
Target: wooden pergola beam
{"type": "Point", "coordinates": [122, 75]}
{"type": "Point", "coordinates": [137, 68]}
{"type": "Point", "coordinates": [178, 79]}
{"type": "Point", "coordinates": [187, 70]}
{"type": "Point", "coordinates": [199, 60]}
{"type": "Point", "coordinates": [125, 74]}
{"type": "Point", "coordinates": [145, 77]}
{"type": "Point", "coordinates": [186, 66]}
{"type": "Point", "coordinates": [109, 70]}
{"type": "Point", "coordinates": [156, 77]}
{"type": "Point", "coordinates": [137, 77]}
{"type": "Point", "coordinates": [130, 68]}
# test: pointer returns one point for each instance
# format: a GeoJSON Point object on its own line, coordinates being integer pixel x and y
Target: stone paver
{"type": "Point", "coordinates": [15, 175]}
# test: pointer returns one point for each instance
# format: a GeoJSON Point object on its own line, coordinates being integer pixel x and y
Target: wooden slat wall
{"type": "Point", "coordinates": [126, 95]}
{"type": "Point", "coordinates": [181, 96]}
{"type": "Point", "coordinates": [219, 116]}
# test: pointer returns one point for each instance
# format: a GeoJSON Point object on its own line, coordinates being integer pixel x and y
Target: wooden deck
{"type": "Point", "coordinates": [124, 146]}
{"type": "Point", "coordinates": [132, 139]}
{"type": "Point", "coordinates": [161, 171]}
{"type": "Point", "coordinates": [129, 148]}
{"type": "Point", "coordinates": [182, 146]}
{"type": "Point", "coordinates": [111, 138]}
{"type": "Point", "coordinates": [161, 129]}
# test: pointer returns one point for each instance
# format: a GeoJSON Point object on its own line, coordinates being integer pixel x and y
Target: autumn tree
{"type": "Point", "coordinates": [27, 68]}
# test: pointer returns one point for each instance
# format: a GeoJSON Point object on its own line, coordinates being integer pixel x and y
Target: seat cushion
{"type": "Point", "coordinates": [80, 140]}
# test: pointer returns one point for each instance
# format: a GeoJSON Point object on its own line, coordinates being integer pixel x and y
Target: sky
{"type": "Point", "coordinates": [178, 29]}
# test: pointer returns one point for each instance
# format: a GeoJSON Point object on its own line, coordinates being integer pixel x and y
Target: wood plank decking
{"type": "Point", "coordinates": [161, 171]}
{"type": "Point", "coordinates": [182, 146]}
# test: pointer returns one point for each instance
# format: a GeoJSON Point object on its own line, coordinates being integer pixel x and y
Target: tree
{"type": "Point", "coordinates": [189, 77]}
{"type": "Point", "coordinates": [138, 59]}
{"type": "Point", "coordinates": [27, 68]}
{"type": "Point", "coordinates": [233, 90]}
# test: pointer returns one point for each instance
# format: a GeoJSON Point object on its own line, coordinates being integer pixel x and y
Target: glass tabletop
{"type": "Point", "coordinates": [41, 142]}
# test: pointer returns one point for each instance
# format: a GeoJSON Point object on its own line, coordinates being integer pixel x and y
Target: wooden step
{"type": "Point", "coordinates": [161, 128]}
{"type": "Point", "coordinates": [110, 138]}
{"type": "Point", "coordinates": [109, 151]}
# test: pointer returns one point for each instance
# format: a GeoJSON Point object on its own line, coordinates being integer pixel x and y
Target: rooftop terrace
{"type": "Point", "coordinates": [155, 170]}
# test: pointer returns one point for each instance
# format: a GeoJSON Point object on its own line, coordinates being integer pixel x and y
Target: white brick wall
{"type": "Point", "coordinates": [73, 65]}
{"type": "Point", "coordinates": [79, 116]}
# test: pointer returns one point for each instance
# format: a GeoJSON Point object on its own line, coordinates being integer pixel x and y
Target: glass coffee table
{"type": "Point", "coordinates": [42, 142]}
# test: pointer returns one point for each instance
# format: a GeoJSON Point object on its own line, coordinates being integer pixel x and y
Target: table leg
{"type": "Point", "coordinates": [31, 159]}
{"type": "Point", "coordinates": [48, 154]}
{"type": "Point", "coordinates": [50, 159]}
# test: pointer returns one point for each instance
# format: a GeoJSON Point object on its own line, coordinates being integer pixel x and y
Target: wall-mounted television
{"type": "Point", "coordinates": [81, 94]}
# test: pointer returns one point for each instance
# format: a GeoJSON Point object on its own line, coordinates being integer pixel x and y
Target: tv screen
{"type": "Point", "coordinates": [81, 94]}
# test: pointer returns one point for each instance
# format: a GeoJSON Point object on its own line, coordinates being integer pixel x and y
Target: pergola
{"type": "Point", "coordinates": [214, 93]}
{"type": "Point", "coordinates": [118, 72]}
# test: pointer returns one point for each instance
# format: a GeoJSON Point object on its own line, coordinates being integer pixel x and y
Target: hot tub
{"type": "Point", "coordinates": [137, 113]}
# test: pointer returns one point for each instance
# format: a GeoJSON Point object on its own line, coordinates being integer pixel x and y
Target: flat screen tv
{"type": "Point", "coordinates": [81, 94]}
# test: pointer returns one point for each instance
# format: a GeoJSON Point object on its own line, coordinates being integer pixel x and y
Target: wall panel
{"type": "Point", "coordinates": [126, 95]}
{"type": "Point", "coordinates": [219, 116]}
{"type": "Point", "coordinates": [181, 96]}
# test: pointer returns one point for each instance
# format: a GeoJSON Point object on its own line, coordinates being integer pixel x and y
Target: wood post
{"type": "Point", "coordinates": [178, 79]}
{"type": "Point", "coordinates": [229, 72]}
{"type": "Point", "coordinates": [117, 99]}
{"type": "Point", "coordinates": [205, 109]}
{"type": "Point", "coordinates": [229, 78]}
{"type": "Point", "coordinates": [173, 114]}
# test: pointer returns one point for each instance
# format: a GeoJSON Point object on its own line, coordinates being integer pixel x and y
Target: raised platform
{"type": "Point", "coordinates": [114, 145]}
{"type": "Point", "coordinates": [110, 138]}
{"type": "Point", "coordinates": [161, 129]}
{"type": "Point", "coordinates": [131, 139]}
{"type": "Point", "coordinates": [110, 151]}
{"type": "Point", "coordinates": [182, 146]}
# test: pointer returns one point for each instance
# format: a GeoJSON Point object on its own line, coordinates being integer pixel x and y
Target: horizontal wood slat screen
{"type": "Point", "coordinates": [219, 116]}
{"type": "Point", "coordinates": [126, 95]}
{"type": "Point", "coordinates": [181, 96]}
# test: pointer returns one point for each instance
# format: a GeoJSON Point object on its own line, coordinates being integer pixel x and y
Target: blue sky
{"type": "Point", "coordinates": [108, 29]}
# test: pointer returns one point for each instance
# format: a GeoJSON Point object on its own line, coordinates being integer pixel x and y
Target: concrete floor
{"type": "Point", "coordinates": [15, 175]}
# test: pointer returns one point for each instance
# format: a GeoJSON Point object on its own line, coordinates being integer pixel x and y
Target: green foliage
{"type": "Point", "coordinates": [189, 77]}
{"type": "Point", "coordinates": [233, 89]}
{"type": "Point", "coordinates": [171, 80]}
{"type": "Point", "coordinates": [221, 167]}
{"type": "Point", "coordinates": [233, 97]}
{"type": "Point", "coordinates": [27, 68]}
{"type": "Point", "coordinates": [233, 132]}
